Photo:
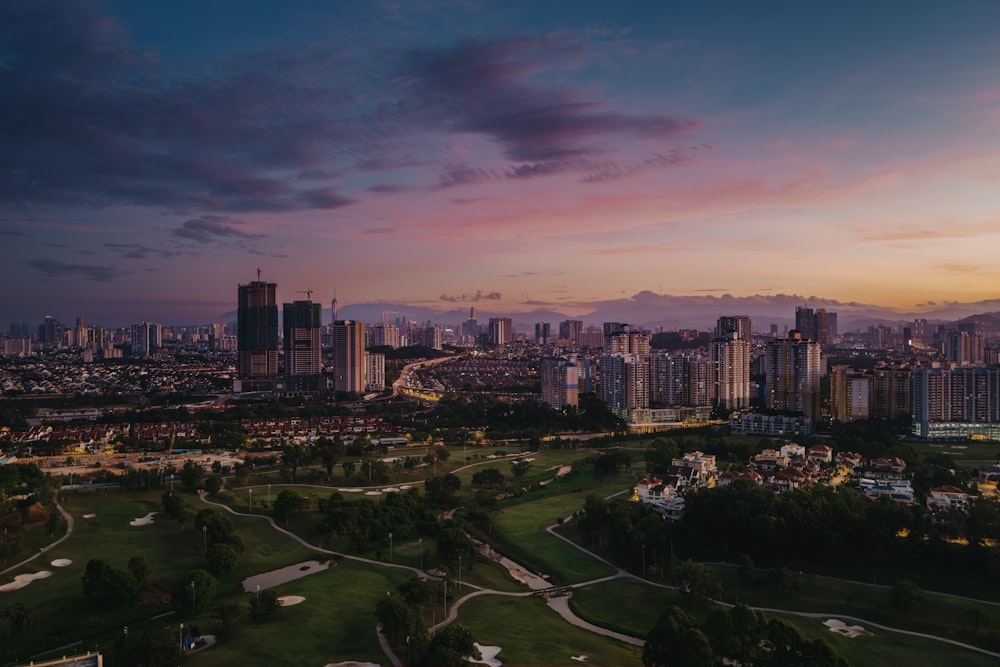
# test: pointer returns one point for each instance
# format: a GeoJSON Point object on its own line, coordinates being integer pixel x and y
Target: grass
{"type": "Point", "coordinates": [965, 454]}
{"type": "Point", "coordinates": [529, 633]}
{"type": "Point", "coordinates": [632, 607]}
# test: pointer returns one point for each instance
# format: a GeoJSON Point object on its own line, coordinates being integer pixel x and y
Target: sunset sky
{"type": "Point", "coordinates": [508, 155]}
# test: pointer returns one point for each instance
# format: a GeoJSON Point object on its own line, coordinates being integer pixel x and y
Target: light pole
{"type": "Point", "coordinates": [268, 494]}
{"type": "Point", "coordinates": [460, 569]}
{"type": "Point", "coordinates": [258, 592]}
{"type": "Point", "coordinates": [204, 535]}
{"type": "Point", "coordinates": [180, 637]}
{"type": "Point", "coordinates": [251, 500]}
{"type": "Point", "coordinates": [390, 547]}
{"type": "Point", "coordinates": [192, 596]}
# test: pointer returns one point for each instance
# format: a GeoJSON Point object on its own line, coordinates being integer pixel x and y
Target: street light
{"type": "Point", "coordinates": [180, 637]}
{"type": "Point", "coordinates": [269, 494]}
{"type": "Point", "coordinates": [390, 547]}
{"type": "Point", "coordinates": [204, 534]}
{"type": "Point", "coordinates": [251, 500]}
{"type": "Point", "coordinates": [192, 596]}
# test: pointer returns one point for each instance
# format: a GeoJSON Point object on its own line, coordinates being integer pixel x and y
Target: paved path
{"type": "Point", "coordinates": [69, 531]}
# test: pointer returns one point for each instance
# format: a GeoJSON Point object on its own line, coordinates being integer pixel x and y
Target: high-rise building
{"type": "Point", "coordinates": [730, 371]}
{"type": "Point", "coordinates": [146, 339]}
{"type": "Point", "coordinates": [668, 379]}
{"type": "Point", "coordinates": [303, 353]}
{"type": "Point", "coordinates": [792, 371]}
{"type": "Point", "coordinates": [383, 335]}
{"type": "Point", "coordinates": [624, 382]}
{"type": "Point", "coordinates": [739, 325]}
{"type": "Point", "coordinates": [257, 335]}
{"type": "Point", "coordinates": [804, 322]}
{"type": "Point", "coordinates": [963, 347]}
{"type": "Point", "coordinates": [50, 332]}
{"type": "Point", "coordinates": [348, 342]}
{"type": "Point", "coordinates": [501, 331]}
{"type": "Point", "coordinates": [892, 391]}
{"type": "Point", "coordinates": [374, 371]}
{"type": "Point", "coordinates": [560, 382]}
{"type": "Point", "coordinates": [956, 402]}
{"type": "Point", "coordinates": [470, 327]}
{"type": "Point", "coordinates": [570, 330]}
{"type": "Point", "coordinates": [542, 332]}
{"type": "Point", "coordinates": [627, 342]}
{"type": "Point", "coordinates": [851, 394]}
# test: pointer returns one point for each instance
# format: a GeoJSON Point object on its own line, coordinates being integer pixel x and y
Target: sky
{"type": "Point", "coordinates": [506, 155]}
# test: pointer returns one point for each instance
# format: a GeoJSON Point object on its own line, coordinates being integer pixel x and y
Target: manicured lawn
{"type": "Point", "coordinates": [520, 533]}
{"type": "Point", "coordinates": [965, 454]}
{"type": "Point", "coordinates": [336, 622]}
{"type": "Point", "coordinates": [529, 633]}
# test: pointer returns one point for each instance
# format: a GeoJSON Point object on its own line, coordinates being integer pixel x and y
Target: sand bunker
{"type": "Point", "coordinates": [489, 654]}
{"type": "Point", "coordinates": [289, 600]}
{"type": "Point", "coordinates": [89, 516]}
{"type": "Point", "coordinates": [351, 490]}
{"type": "Point", "coordinates": [22, 580]}
{"type": "Point", "coordinates": [290, 573]}
{"type": "Point", "coordinates": [61, 562]}
{"type": "Point", "coordinates": [841, 628]}
{"type": "Point", "coordinates": [405, 487]}
{"type": "Point", "coordinates": [390, 489]}
{"type": "Point", "coordinates": [144, 521]}
{"type": "Point", "coordinates": [373, 493]}
{"type": "Point", "coordinates": [351, 663]}
{"type": "Point", "coordinates": [579, 658]}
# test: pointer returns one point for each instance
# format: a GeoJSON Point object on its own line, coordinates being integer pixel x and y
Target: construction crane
{"type": "Point", "coordinates": [307, 292]}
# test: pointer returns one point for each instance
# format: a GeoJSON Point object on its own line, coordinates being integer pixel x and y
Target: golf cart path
{"type": "Point", "coordinates": [69, 531]}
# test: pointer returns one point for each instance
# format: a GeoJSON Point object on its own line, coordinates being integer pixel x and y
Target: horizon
{"type": "Point", "coordinates": [506, 156]}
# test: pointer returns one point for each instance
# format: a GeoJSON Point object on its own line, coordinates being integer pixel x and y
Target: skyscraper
{"type": "Point", "coordinates": [257, 335]}
{"type": "Point", "coordinates": [624, 382]}
{"type": "Point", "coordinates": [348, 339]}
{"type": "Point", "coordinates": [570, 330]}
{"type": "Point", "coordinates": [501, 331]}
{"type": "Point", "coordinates": [729, 354]}
{"type": "Point", "coordinates": [303, 354]}
{"type": "Point", "coordinates": [792, 371]}
{"type": "Point", "coordinates": [560, 382]}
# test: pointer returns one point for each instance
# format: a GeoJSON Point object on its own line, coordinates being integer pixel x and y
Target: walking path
{"type": "Point", "coordinates": [69, 531]}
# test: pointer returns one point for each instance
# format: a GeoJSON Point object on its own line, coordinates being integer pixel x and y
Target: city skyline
{"type": "Point", "coordinates": [503, 155]}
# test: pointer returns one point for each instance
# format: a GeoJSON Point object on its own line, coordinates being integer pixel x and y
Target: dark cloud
{"type": "Point", "coordinates": [13, 233]}
{"type": "Point", "coordinates": [138, 251]}
{"type": "Point", "coordinates": [380, 230]}
{"type": "Point", "coordinates": [53, 269]}
{"type": "Point", "coordinates": [211, 228]}
{"type": "Point", "coordinates": [486, 88]}
{"type": "Point", "coordinates": [478, 296]}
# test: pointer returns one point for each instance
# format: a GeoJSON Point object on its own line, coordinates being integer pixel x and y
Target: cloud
{"type": "Point", "coordinates": [478, 296]}
{"type": "Point", "coordinates": [13, 233]}
{"type": "Point", "coordinates": [380, 230]}
{"type": "Point", "coordinates": [54, 269]}
{"type": "Point", "coordinates": [211, 228]}
{"type": "Point", "coordinates": [138, 251]}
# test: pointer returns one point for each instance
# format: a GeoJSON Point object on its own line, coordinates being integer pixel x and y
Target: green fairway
{"type": "Point", "coordinates": [529, 633]}
{"type": "Point", "coordinates": [965, 454]}
{"type": "Point", "coordinates": [520, 534]}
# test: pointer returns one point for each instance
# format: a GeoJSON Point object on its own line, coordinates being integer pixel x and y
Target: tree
{"type": "Point", "coordinates": [213, 484]}
{"type": "Point", "coordinates": [222, 559]}
{"type": "Point", "coordinates": [330, 451]}
{"type": "Point", "coordinates": [148, 648]}
{"type": "Point", "coordinates": [105, 585]}
{"type": "Point", "coordinates": [174, 506]}
{"type": "Point", "coordinates": [675, 640]}
{"type": "Point", "coordinates": [263, 605]}
{"type": "Point", "coordinates": [192, 476]}
{"type": "Point", "coordinates": [489, 477]}
{"type": "Point", "coordinates": [394, 615]}
{"type": "Point", "coordinates": [451, 647]}
{"type": "Point", "coordinates": [349, 468]}
{"type": "Point", "coordinates": [696, 581]}
{"type": "Point", "coordinates": [440, 490]}
{"type": "Point", "coordinates": [293, 456]}
{"type": "Point", "coordinates": [16, 617]}
{"type": "Point", "coordinates": [195, 592]}
{"type": "Point", "coordinates": [287, 503]}
{"type": "Point", "coordinates": [906, 596]}
{"type": "Point", "coordinates": [140, 571]}
{"type": "Point", "coordinates": [519, 467]}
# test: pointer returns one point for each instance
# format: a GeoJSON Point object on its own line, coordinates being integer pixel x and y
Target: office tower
{"type": "Point", "coordinates": [804, 322]}
{"type": "Point", "coordinates": [374, 371]}
{"type": "Point", "coordinates": [431, 336]}
{"type": "Point", "coordinates": [963, 347]}
{"type": "Point", "coordinates": [501, 331]}
{"type": "Point", "coordinates": [146, 339]}
{"type": "Point", "coordinates": [50, 332]}
{"type": "Point", "coordinates": [729, 359]}
{"type": "Point", "coordinates": [734, 324]}
{"type": "Point", "coordinates": [821, 327]}
{"type": "Point", "coordinates": [792, 371]}
{"type": "Point", "coordinates": [348, 341]}
{"type": "Point", "coordinates": [80, 334]}
{"type": "Point", "coordinates": [257, 335]}
{"type": "Point", "coordinates": [624, 382]}
{"type": "Point", "coordinates": [892, 391]}
{"type": "Point", "coordinates": [380, 335]}
{"type": "Point", "coordinates": [560, 382]}
{"type": "Point", "coordinates": [470, 327]}
{"type": "Point", "coordinates": [302, 322]}
{"type": "Point", "coordinates": [542, 331]}
{"type": "Point", "coordinates": [851, 394]}
{"type": "Point", "coordinates": [570, 330]}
